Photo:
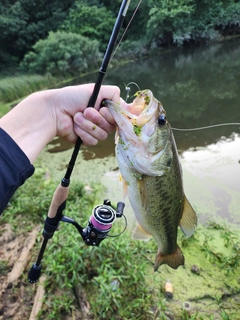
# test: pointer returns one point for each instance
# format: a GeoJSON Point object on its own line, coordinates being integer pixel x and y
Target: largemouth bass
{"type": "Point", "coordinates": [148, 162]}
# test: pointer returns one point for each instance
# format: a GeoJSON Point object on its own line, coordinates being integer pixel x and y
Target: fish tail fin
{"type": "Point", "coordinates": [173, 260]}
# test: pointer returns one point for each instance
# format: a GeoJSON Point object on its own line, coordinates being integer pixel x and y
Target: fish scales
{"type": "Point", "coordinates": [161, 212]}
{"type": "Point", "coordinates": [148, 161]}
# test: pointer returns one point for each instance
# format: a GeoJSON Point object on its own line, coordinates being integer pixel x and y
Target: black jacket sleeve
{"type": "Point", "coordinates": [15, 168]}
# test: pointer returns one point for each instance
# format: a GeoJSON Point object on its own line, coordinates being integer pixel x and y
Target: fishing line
{"type": "Point", "coordinates": [91, 235]}
{"type": "Point", "coordinates": [127, 27]}
{"type": "Point", "coordinates": [208, 127]}
{"type": "Point", "coordinates": [128, 89]}
{"type": "Point", "coordinates": [125, 227]}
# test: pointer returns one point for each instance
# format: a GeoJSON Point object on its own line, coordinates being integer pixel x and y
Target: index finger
{"type": "Point", "coordinates": [107, 92]}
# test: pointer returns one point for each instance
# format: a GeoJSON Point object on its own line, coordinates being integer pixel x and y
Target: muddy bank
{"type": "Point", "coordinates": [208, 284]}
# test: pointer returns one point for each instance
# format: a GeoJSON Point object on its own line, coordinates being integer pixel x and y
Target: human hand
{"type": "Point", "coordinates": [75, 119]}
{"type": "Point", "coordinates": [40, 117]}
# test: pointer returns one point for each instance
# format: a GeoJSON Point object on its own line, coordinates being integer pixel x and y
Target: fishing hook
{"type": "Point", "coordinates": [58, 204]}
{"type": "Point", "coordinates": [128, 89]}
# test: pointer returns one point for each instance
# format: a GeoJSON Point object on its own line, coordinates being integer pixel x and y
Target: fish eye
{"type": "Point", "coordinates": [162, 120]}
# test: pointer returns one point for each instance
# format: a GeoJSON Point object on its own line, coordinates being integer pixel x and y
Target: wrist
{"type": "Point", "coordinates": [31, 124]}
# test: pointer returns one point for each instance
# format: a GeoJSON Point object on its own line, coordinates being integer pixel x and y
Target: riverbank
{"type": "Point", "coordinates": [15, 87]}
{"type": "Point", "coordinates": [207, 287]}
{"type": "Point", "coordinates": [115, 280]}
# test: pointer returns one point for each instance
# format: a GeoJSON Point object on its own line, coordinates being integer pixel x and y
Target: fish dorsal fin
{"type": "Point", "coordinates": [188, 220]}
{"type": "Point", "coordinates": [140, 234]}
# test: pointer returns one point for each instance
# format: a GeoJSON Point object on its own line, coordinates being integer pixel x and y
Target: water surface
{"type": "Point", "coordinates": [197, 87]}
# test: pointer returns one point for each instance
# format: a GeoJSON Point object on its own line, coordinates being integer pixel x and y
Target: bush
{"type": "Point", "coordinates": [62, 53]}
{"type": "Point", "coordinates": [185, 21]}
{"type": "Point", "coordinates": [98, 27]}
{"type": "Point", "coordinates": [23, 23]}
{"type": "Point", "coordinates": [169, 21]}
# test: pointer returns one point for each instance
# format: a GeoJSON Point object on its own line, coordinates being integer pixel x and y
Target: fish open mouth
{"type": "Point", "coordinates": [134, 116]}
{"type": "Point", "coordinates": [142, 100]}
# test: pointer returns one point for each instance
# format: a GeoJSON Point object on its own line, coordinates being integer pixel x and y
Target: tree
{"type": "Point", "coordinates": [169, 21]}
{"type": "Point", "coordinates": [90, 21]}
{"type": "Point", "coordinates": [23, 22]}
{"type": "Point", "coordinates": [62, 54]}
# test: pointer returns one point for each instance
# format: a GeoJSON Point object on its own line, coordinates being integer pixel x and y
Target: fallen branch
{"type": "Point", "coordinates": [82, 300]}
{"type": "Point", "coordinates": [38, 300]}
{"type": "Point", "coordinates": [22, 261]}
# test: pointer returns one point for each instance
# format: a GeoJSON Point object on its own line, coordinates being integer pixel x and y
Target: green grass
{"type": "Point", "coordinates": [118, 276]}
{"type": "Point", "coordinates": [4, 108]}
{"type": "Point", "coordinates": [112, 274]}
{"type": "Point", "coordinates": [18, 86]}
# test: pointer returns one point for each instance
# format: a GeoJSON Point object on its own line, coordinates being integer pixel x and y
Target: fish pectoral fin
{"type": "Point", "coordinates": [116, 136]}
{"type": "Point", "coordinates": [173, 260]}
{"type": "Point", "coordinates": [140, 234]}
{"type": "Point", "coordinates": [125, 189]}
{"type": "Point", "coordinates": [188, 220]}
{"type": "Point", "coordinates": [124, 186]}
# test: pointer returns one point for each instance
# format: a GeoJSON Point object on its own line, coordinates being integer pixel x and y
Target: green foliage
{"type": "Point", "coordinates": [4, 268]}
{"type": "Point", "coordinates": [93, 22]}
{"type": "Point", "coordinates": [113, 274]}
{"type": "Point", "coordinates": [229, 262]}
{"type": "Point", "coordinates": [31, 201]}
{"type": "Point", "coordinates": [62, 53]}
{"type": "Point", "coordinates": [116, 278]}
{"type": "Point", "coordinates": [186, 20]}
{"type": "Point", "coordinates": [155, 23]}
{"type": "Point", "coordinates": [169, 20]}
{"type": "Point", "coordinates": [23, 22]}
{"type": "Point", "coordinates": [130, 50]}
{"type": "Point", "coordinates": [4, 108]}
{"type": "Point", "coordinates": [18, 86]}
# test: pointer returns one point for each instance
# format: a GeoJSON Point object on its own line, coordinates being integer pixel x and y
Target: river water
{"type": "Point", "coordinates": [197, 87]}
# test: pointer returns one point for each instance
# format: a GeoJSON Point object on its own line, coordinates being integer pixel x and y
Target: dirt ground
{"type": "Point", "coordinates": [16, 294]}
{"type": "Point", "coordinates": [20, 300]}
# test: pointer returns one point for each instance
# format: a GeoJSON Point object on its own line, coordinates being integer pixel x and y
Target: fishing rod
{"type": "Point", "coordinates": [103, 216]}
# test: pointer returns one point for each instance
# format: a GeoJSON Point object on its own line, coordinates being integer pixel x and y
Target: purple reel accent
{"type": "Point", "coordinates": [99, 225]}
{"type": "Point", "coordinates": [103, 217]}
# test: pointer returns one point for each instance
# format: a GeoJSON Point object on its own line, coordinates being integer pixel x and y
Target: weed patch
{"type": "Point", "coordinates": [19, 86]}
{"type": "Point", "coordinates": [116, 279]}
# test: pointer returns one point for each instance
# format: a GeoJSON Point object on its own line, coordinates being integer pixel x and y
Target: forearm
{"type": "Point", "coordinates": [59, 112]}
{"type": "Point", "coordinates": [30, 124]}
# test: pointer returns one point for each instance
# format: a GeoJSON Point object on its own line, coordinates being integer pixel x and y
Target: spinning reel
{"type": "Point", "coordinates": [99, 225]}
{"type": "Point", "coordinates": [103, 216]}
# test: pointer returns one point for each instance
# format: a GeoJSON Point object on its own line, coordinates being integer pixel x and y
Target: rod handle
{"type": "Point", "coordinates": [60, 195]}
